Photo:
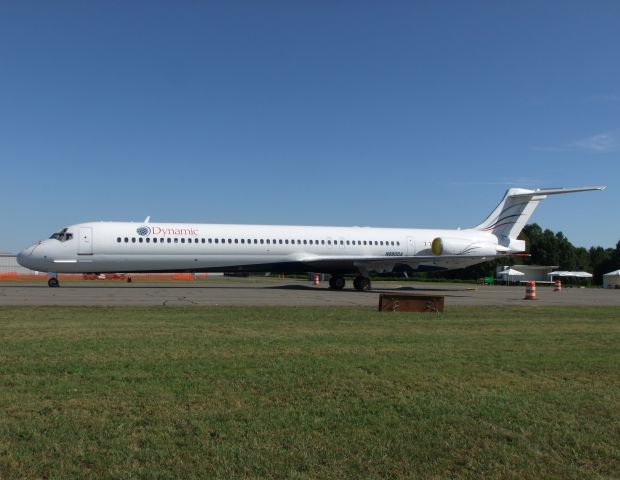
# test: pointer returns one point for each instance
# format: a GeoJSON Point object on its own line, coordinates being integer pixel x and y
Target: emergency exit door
{"type": "Point", "coordinates": [85, 241]}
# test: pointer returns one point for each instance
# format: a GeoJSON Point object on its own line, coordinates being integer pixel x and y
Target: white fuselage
{"type": "Point", "coordinates": [99, 247]}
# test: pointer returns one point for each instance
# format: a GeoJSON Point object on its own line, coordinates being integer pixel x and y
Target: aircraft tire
{"type": "Point", "coordinates": [361, 283]}
{"type": "Point", "coordinates": [53, 282]}
{"type": "Point", "coordinates": [337, 282]}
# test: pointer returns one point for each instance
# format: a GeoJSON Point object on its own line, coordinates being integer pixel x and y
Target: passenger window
{"type": "Point", "coordinates": [176, 240]}
{"type": "Point", "coordinates": [268, 241]}
{"type": "Point", "coordinates": [236, 240]}
{"type": "Point", "coordinates": [230, 240]}
{"type": "Point", "coordinates": [280, 241]}
{"type": "Point", "coordinates": [305, 242]}
{"type": "Point", "coordinates": [133, 239]}
{"type": "Point", "coordinates": [203, 240]}
{"type": "Point", "coordinates": [126, 240]}
{"type": "Point", "coordinates": [118, 239]}
{"type": "Point", "coordinates": [398, 243]}
{"type": "Point", "coordinates": [148, 240]}
{"type": "Point", "coordinates": [210, 240]}
{"type": "Point", "coordinates": [216, 240]}
{"type": "Point", "coordinates": [261, 241]}
{"type": "Point", "coordinates": [182, 240]}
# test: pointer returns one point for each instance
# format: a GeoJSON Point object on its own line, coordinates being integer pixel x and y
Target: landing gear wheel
{"type": "Point", "coordinates": [336, 282]}
{"type": "Point", "coordinates": [361, 283]}
{"type": "Point", "coordinates": [53, 282]}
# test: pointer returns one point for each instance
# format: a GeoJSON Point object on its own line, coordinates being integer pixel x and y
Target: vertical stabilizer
{"type": "Point", "coordinates": [516, 208]}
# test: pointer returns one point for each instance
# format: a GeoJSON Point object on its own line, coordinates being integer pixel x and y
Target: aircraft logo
{"type": "Point", "coordinates": [143, 231]}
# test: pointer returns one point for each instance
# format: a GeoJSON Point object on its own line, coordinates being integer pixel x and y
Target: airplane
{"type": "Point", "coordinates": [129, 247]}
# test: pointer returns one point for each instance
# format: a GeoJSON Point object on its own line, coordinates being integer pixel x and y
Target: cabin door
{"type": "Point", "coordinates": [85, 241]}
{"type": "Point", "coordinates": [410, 246]}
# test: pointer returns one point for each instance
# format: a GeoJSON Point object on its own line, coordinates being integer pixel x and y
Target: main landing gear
{"type": "Point", "coordinates": [336, 282]}
{"type": "Point", "coordinates": [53, 282]}
{"type": "Point", "coordinates": [360, 283]}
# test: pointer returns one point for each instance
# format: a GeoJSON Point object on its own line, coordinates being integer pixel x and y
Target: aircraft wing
{"type": "Point", "coordinates": [386, 264]}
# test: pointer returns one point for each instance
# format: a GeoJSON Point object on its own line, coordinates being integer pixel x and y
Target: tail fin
{"type": "Point", "coordinates": [516, 208]}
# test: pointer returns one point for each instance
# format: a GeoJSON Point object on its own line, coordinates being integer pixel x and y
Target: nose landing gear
{"type": "Point", "coordinates": [53, 282]}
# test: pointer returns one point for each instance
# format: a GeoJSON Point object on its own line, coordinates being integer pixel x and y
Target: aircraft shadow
{"type": "Point", "coordinates": [237, 287]}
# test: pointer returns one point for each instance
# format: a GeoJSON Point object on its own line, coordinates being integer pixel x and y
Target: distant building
{"type": "Point", "coordinates": [531, 273]}
{"type": "Point", "coordinates": [8, 264]}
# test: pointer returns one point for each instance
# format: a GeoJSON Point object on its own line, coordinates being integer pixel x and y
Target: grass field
{"type": "Point", "coordinates": [309, 393]}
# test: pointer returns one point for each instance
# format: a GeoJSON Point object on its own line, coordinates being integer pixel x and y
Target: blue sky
{"type": "Point", "coordinates": [413, 114]}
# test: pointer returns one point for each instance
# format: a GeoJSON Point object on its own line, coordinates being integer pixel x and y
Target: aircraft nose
{"type": "Point", "coordinates": [25, 258]}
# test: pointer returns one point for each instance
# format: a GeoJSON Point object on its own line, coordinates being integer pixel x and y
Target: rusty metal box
{"type": "Point", "coordinates": [410, 302]}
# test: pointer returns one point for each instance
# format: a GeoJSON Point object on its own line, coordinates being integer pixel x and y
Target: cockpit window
{"type": "Point", "coordinates": [62, 236]}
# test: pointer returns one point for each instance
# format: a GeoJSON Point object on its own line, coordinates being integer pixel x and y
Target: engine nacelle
{"type": "Point", "coordinates": [462, 246]}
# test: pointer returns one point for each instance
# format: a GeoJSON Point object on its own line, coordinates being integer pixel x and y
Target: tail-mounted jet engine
{"type": "Point", "coordinates": [462, 246]}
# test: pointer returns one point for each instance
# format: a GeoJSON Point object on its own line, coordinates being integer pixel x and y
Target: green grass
{"type": "Point", "coordinates": [309, 393]}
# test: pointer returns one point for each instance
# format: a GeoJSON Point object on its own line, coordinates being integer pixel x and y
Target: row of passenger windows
{"type": "Point", "coordinates": [255, 241]}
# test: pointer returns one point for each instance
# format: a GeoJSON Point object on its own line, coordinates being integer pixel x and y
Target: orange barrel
{"type": "Point", "coordinates": [316, 280]}
{"type": "Point", "coordinates": [558, 286]}
{"type": "Point", "coordinates": [530, 291]}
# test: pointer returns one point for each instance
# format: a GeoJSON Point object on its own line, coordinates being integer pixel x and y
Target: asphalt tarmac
{"type": "Point", "coordinates": [272, 292]}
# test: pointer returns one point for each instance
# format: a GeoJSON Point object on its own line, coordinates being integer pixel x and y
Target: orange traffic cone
{"type": "Point", "coordinates": [530, 291]}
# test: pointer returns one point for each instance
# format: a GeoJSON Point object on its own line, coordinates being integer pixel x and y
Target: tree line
{"type": "Point", "coordinates": [545, 248]}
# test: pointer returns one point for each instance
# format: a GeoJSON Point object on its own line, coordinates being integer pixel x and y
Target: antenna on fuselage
{"type": "Point", "coordinates": [147, 219]}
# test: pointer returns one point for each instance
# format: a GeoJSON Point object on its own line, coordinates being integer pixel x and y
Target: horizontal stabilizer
{"type": "Point", "coordinates": [555, 191]}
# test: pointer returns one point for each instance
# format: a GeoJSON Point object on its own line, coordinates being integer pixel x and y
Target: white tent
{"type": "Point", "coordinates": [562, 273]}
{"type": "Point", "coordinates": [510, 272]}
{"type": "Point", "coordinates": [611, 279]}
{"type": "Point", "coordinates": [582, 274]}
{"type": "Point", "coordinates": [558, 273]}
